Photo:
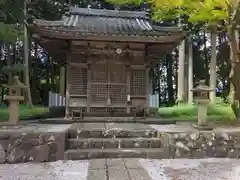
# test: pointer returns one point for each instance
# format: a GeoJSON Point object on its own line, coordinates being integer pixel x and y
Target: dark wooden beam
{"type": "Point", "coordinates": [105, 51]}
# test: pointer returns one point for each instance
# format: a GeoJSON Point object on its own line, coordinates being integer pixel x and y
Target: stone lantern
{"type": "Point", "coordinates": [201, 98]}
{"type": "Point", "coordinates": [14, 97]}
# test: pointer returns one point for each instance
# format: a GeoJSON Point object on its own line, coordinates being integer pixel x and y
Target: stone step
{"type": "Point", "coordinates": [113, 133]}
{"type": "Point", "coordinates": [114, 143]}
{"type": "Point", "coordinates": [80, 154]}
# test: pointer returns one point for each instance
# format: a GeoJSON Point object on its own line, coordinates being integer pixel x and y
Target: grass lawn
{"type": "Point", "coordinates": [182, 112]}
{"type": "Point", "coordinates": [216, 112]}
{"type": "Point", "coordinates": [25, 112]}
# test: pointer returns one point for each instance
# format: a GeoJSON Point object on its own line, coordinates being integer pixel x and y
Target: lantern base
{"type": "Point", "coordinates": [206, 127]}
{"type": "Point", "coordinates": [8, 125]}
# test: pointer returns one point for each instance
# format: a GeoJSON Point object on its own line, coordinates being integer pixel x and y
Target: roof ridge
{"type": "Point", "coordinates": [167, 28]}
{"type": "Point", "coordinates": [108, 13]}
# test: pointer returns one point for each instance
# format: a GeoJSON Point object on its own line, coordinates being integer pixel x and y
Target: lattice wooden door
{"type": "Point", "coordinates": [108, 84]}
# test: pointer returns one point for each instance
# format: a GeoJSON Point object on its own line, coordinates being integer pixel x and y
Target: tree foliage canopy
{"type": "Point", "coordinates": [210, 12]}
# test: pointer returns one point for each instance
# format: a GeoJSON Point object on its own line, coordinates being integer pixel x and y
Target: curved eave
{"type": "Point", "coordinates": [41, 22]}
{"type": "Point", "coordinates": [171, 37]}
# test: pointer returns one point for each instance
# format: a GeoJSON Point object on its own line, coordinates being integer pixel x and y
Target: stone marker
{"type": "Point", "coordinates": [14, 98]}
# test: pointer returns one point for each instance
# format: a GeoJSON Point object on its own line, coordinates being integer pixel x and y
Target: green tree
{"type": "Point", "coordinates": [213, 15]}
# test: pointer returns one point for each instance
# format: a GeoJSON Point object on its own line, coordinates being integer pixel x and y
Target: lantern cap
{"type": "Point", "coordinates": [15, 84]}
{"type": "Point", "coordinates": [202, 87]}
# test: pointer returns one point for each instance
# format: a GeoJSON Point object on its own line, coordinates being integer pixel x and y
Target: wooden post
{"type": "Point", "coordinates": [89, 87]}
{"type": "Point", "coordinates": [147, 82]}
{"type": "Point", "coordinates": [147, 88]}
{"type": "Point", "coordinates": [128, 86]}
{"type": "Point", "coordinates": [67, 113]}
{"type": "Point", "coordinates": [62, 80]}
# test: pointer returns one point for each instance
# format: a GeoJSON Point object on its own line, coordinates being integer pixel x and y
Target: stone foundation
{"type": "Point", "coordinates": [114, 140]}
{"type": "Point", "coordinates": [40, 143]}
{"type": "Point", "coordinates": [37, 143]}
{"type": "Point", "coordinates": [220, 142]}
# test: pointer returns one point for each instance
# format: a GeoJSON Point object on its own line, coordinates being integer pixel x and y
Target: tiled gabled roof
{"type": "Point", "coordinates": [106, 22]}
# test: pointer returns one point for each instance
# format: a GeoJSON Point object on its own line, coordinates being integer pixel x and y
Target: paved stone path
{"type": "Point", "coordinates": [125, 169]}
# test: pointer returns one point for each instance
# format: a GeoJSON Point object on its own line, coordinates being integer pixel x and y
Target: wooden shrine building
{"type": "Point", "coordinates": [107, 54]}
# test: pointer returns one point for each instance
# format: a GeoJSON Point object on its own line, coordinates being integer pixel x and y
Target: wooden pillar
{"type": "Point", "coordinates": [89, 86]}
{"type": "Point", "coordinates": [62, 80]}
{"type": "Point", "coordinates": [67, 104]}
{"type": "Point", "coordinates": [147, 87]}
{"type": "Point", "coordinates": [147, 82]}
{"type": "Point", "coordinates": [128, 88]}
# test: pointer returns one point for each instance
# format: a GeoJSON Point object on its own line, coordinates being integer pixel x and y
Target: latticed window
{"type": "Point", "coordinates": [117, 73]}
{"type": "Point", "coordinates": [99, 73]}
{"type": "Point", "coordinates": [78, 81]}
{"type": "Point", "coordinates": [99, 93]}
{"type": "Point", "coordinates": [138, 83]}
{"type": "Point", "coordinates": [108, 82]}
{"type": "Point", "coordinates": [117, 93]}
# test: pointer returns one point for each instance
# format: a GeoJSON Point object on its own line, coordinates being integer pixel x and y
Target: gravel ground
{"type": "Point", "coordinates": [193, 169]}
{"type": "Point", "coordinates": [178, 169]}
{"type": "Point", "coordinates": [59, 170]}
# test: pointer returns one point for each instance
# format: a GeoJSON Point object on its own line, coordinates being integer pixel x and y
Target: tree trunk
{"type": "Point", "coordinates": [2, 94]}
{"type": "Point", "coordinates": [26, 58]}
{"type": "Point", "coordinates": [5, 63]}
{"type": "Point", "coordinates": [180, 91]}
{"type": "Point", "coordinates": [223, 67]}
{"type": "Point", "coordinates": [14, 54]}
{"type": "Point", "coordinates": [213, 67]}
{"type": "Point", "coordinates": [34, 79]}
{"type": "Point", "coordinates": [170, 79]}
{"type": "Point", "coordinates": [235, 70]}
{"type": "Point", "coordinates": [53, 74]}
{"type": "Point", "coordinates": [186, 73]}
{"type": "Point", "coordinates": [190, 73]}
{"type": "Point", "coordinates": [206, 59]}
{"type": "Point", "coordinates": [175, 73]}
{"type": "Point", "coordinates": [9, 62]}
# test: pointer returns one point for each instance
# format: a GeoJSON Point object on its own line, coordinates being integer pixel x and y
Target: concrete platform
{"type": "Point", "coordinates": [125, 169]}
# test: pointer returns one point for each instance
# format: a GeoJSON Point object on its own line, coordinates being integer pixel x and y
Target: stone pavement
{"type": "Point", "coordinates": [125, 169]}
